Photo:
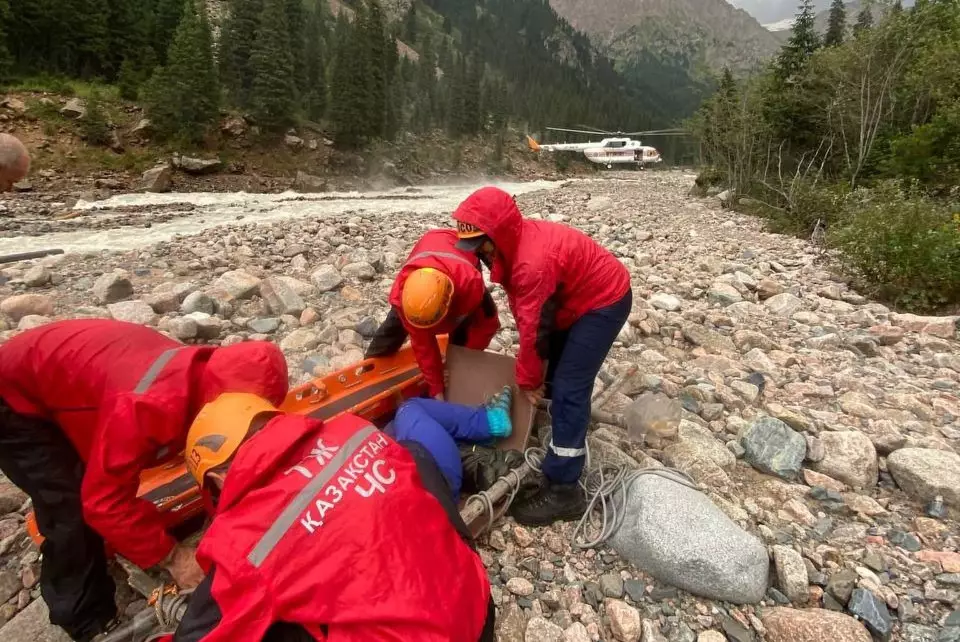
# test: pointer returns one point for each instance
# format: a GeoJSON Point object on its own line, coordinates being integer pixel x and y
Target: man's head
{"type": "Point", "coordinates": [218, 431]}
{"type": "Point", "coordinates": [257, 367]}
{"type": "Point", "coordinates": [426, 297]}
{"type": "Point", "coordinates": [489, 224]}
{"type": "Point", "coordinates": [14, 162]}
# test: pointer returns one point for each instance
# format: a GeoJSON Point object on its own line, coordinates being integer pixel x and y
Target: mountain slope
{"type": "Point", "coordinates": [696, 34]}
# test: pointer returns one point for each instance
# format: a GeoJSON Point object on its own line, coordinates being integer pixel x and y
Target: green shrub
{"type": "Point", "coordinates": [94, 126]}
{"type": "Point", "coordinates": [904, 244]}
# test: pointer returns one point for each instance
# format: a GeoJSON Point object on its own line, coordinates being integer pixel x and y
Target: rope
{"type": "Point", "coordinates": [167, 603]}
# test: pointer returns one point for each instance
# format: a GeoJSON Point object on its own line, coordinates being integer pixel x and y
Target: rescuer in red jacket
{"type": "Point", "coordinates": [85, 406]}
{"type": "Point", "coordinates": [439, 290]}
{"type": "Point", "coordinates": [570, 297]}
{"type": "Point", "coordinates": [327, 531]}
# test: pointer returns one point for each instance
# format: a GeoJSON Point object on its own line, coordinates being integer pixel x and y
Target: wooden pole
{"type": "Point", "coordinates": [474, 512]}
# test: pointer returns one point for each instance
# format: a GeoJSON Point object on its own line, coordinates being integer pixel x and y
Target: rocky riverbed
{"type": "Point", "coordinates": [823, 427]}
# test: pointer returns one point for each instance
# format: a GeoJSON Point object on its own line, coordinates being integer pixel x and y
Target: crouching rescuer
{"type": "Point", "coordinates": [87, 405]}
{"type": "Point", "coordinates": [570, 297]}
{"type": "Point", "coordinates": [439, 290]}
{"type": "Point", "coordinates": [327, 531]}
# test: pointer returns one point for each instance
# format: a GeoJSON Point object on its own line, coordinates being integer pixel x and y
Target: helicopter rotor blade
{"type": "Point", "coordinates": [596, 129]}
{"type": "Point", "coordinates": [575, 131]}
{"type": "Point", "coordinates": [658, 132]}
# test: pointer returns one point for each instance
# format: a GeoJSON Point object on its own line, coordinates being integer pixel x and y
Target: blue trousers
{"type": "Point", "coordinates": [576, 357]}
{"type": "Point", "coordinates": [438, 426]}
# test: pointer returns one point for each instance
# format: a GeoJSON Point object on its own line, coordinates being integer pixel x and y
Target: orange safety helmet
{"type": "Point", "coordinates": [220, 428]}
{"type": "Point", "coordinates": [426, 297]}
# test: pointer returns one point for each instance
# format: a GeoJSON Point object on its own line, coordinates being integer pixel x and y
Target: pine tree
{"type": "Point", "coordinates": [472, 107]}
{"type": "Point", "coordinates": [167, 16]}
{"type": "Point", "coordinates": [315, 98]}
{"type": "Point", "coordinates": [347, 96]}
{"type": "Point", "coordinates": [183, 96]}
{"type": "Point", "coordinates": [296, 21]}
{"type": "Point", "coordinates": [274, 92]}
{"type": "Point", "coordinates": [454, 92]}
{"type": "Point", "coordinates": [94, 125]}
{"type": "Point", "coordinates": [92, 38]}
{"type": "Point", "coordinates": [837, 26]}
{"type": "Point", "coordinates": [426, 81]}
{"type": "Point", "coordinates": [803, 42]}
{"type": "Point", "coordinates": [374, 51]}
{"type": "Point", "coordinates": [410, 30]}
{"type": "Point", "coordinates": [864, 19]}
{"type": "Point", "coordinates": [237, 37]}
{"type": "Point", "coordinates": [6, 60]}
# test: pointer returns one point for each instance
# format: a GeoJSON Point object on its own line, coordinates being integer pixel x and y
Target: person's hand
{"type": "Point", "coordinates": [182, 565]}
{"type": "Point", "coordinates": [534, 396]}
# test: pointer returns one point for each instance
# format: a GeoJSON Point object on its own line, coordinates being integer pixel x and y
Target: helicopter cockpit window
{"type": "Point", "coordinates": [616, 143]}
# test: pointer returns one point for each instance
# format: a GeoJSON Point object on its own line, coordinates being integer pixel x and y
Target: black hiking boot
{"type": "Point", "coordinates": [552, 503]}
{"type": "Point", "coordinates": [483, 466]}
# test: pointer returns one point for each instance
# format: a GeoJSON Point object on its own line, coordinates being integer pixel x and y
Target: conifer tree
{"type": "Point", "coordinates": [6, 60]}
{"type": "Point", "coordinates": [166, 18]}
{"type": "Point", "coordinates": [297, 24]}
{"type": "Point", "coordinates": [426, 82]}
{"type": "Point", "coordinates": [864, 19]}
{"type": "Point", "coordinates": [372, 40]}
{"type": "Point", "coordinates": [410, 31]}
{"type": "Point", "coordinates": [803, 42]}
{"type": "Point", "coordinates": [274, 92]}
{"type": "Point", "coordinates": [183, 96]}
{"type": "Point", "coordinates": [472, 107]}
{"type": "Point", "coordinates": [347, 96]}
{"type": "Point", "coordinates": [837, 26]}
{"type": "Point", "coordinates": [315, 97]}
{"type": "Point", "coordinates": [237, 37]}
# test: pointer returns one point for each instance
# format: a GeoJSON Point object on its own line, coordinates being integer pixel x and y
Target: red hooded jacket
{"type": "Point", "coordinates": [436, 250]}
{"type": "Point", "coordinates": [553, 274]}
{"type": "Point", "coordinates": [125, 395]}
{"type": "Point", "coordinates": [329, 527]}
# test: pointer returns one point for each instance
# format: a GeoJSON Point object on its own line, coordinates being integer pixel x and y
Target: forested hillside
{"type": "Point", "coordinates": [855, 140]}
{"type": "Point", "coordinates": [465, 68]}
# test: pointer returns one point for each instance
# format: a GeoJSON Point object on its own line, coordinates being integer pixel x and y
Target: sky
{"type": "Point", "coordinates": [767, 11]}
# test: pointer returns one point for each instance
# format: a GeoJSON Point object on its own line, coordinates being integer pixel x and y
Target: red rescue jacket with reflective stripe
{"type": "Point", "coordinates": [329, 527]}
{"type": "Point", "coordinates": [436, 250]}
{"type": "Point", "coordinates": [125, 395]}
{"type": "Point", "coordinates": [553, 274]}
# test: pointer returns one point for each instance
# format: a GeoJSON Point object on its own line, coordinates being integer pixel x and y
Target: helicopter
{"type": "Point", "coordinates": [618, 149]}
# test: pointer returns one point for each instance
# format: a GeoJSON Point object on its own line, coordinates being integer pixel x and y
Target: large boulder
{"type": "Point", "coordinates": [112, 287]}
{"type": "Point", "coordinates": [679, 536]}
{"type": "Point", "coordinates": [326, 278]}
{"type": "Point", "coordinates": [133, 312]}
{"type": "Point", "coordinates": [280, 297]}
{"type": "Point", "coordinates": [850, 457]}
{"type": "Point", "coordinates": [784, 305]}
{"type": "Point", "coordinates": [158, 179]}
{"type": "Point", "coordinates": [773, 447]}
{"type": "Point", "coordinates": [235, 284]}
{"type": "Point", "coordinates": [197, 165]}
{"type": "Point", "coordinates": [14, 161]}
{"type": "Point", "coordinates": [74, 109]}
{"type": "Point", "coordinates": [811, 625]}
{"type": "Point", "coordinates": [308, 183]}
{"type": "Point", "coordinates": [32, 624]}
{"type": "Point", "coordinates": [22, 305]}
{"type": "Point", "coordinates": [924, 473]}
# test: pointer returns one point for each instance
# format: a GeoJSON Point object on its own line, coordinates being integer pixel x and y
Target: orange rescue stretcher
{"type": "Point", "coordinates": [373, 389]}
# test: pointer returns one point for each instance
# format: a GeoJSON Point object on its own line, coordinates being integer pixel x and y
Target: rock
{"type": "Point", "coordinates": [300, 340]}
{"type": "Point", "coordinates": [280, 298]}
{"type": "Point", "coordinates": [611, 585]}
{"type": "Point", "coordinates": [198, 302]}
{"type": "Point", "coordinates": [32, 321]}
{"type": "Point", "coordinates": [948, 560]}
{"type": "Point", "coordinates": [142, 128]}
{"type": "Point", "coordinates": [520, 586]}
{"type": "Point", "coordinates": [664, 301]}
{"type": "Point", "coordinates": [234, 126]}
{"type": "Point", "coordinates": [112, 287]}
{"type": "Point", "coordinates": [653, 413]}
{"type": "Point", "coordinates": [208, 327]}
{"type": "Point", "coordinates": [773, 447]}
{"type": "Point", "coordinates": [197, 165]}
{"type": "Point", "coordinates": [724, 294]}
{"type": "Point", "coordinates": [736, 631]}
{"type": "Point", "coordinates": [858, 405]}
{"type": "Point", "coordinates": [183, 329]}
{"type": "Point", "coordinates": [236, 284]}
{"type": "Point", "coordinates": [360, 270]}
{"type": "Point", "coordinates": [702, 445]}
{"type": "Point", "coordinates": [576, 632]}
{"type": "Point", "coordinates": [541, 630]}
{"type": "Point", "coordinates": [36, 277]}
{"type": "Point", "coordinates": [14, 104]}
{"type": "Point", "coordinates": [32, 624]}
{"type": "Point", "coordinates": [11, 499]}
{"type": "Point", "coordinates": [679, 536]}
{"type": "Point", "coordinates": [167, 297]}
{"type": "Point", "coordinates": [22, 305]}
{"type": "Point", "coordinates": [811, 625]}
{"type": "Point", "coordinates": [292, 141]}
{"type": "Point", "coordinates": [783, 305]}
{"type": "Point", "coordinates": [849, 457]}
{"type": "Point", "coordinates": [924, 474]}
{"type": "Point", "coordinates": [709, 339]}
{"type": "Point", "coordinates": [75, 109]}
{"type": "Point", "coordinates": [945, 327]}
{"type": "Point", "coordinates": [768, 288]}
{"type": "Point", "coordinates": [264, 326]}
{"type": "Point", "coordinates": [133, 312]}
{"type": "Point", "coordinates": [841, 585]}
{"type": "Point", "coordinates": [158, 179]}
{"type": "Point", "coordinates": [888, 335]}
{"type": "Point", "coordinates": [872, 611]}
{"type": "Point", "coordinates": [308, 184]}
{"type": "Point", "coordinates": [624, 620]}
{"type": "Point", "coordinates": [791, 574]}
{"type": "Point", "coordinates": [326, 278]}
{"type": "Point", "coordinates": [711, 636]}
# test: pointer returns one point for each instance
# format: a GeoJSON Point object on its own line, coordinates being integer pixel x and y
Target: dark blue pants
{"type": "Point", "coordinates": [438, 426]}
{"type": "Point", "coordinates": [576, 357]}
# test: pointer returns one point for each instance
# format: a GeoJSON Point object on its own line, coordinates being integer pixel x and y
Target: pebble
{"type": "Point", "coordinates": [520, 586]}
{"type": "Point", "coordinates": [872, 611]}
{"type": "Point", "coordinates": [624, 620]}
{"type": "Point", "coordinates": [772, 446]}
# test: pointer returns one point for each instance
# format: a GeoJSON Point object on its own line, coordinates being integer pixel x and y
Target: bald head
{"type": "Point", "coordinates": [14, 161]}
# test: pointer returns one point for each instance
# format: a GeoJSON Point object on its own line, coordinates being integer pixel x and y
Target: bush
{"type": "Point", "coordinates": [807, 204]}
{"type": "Point", "coordinates": [94, 126]}
{"type": "Point", "coordinates": [904, 244]}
